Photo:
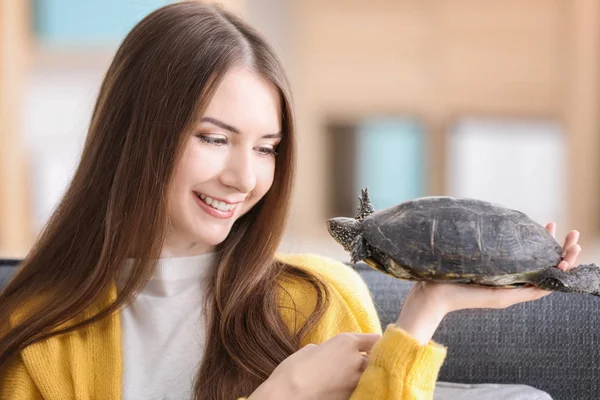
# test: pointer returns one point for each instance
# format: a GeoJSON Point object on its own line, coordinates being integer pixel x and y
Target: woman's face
{"type": "Point", "coordinates": [227, 166]}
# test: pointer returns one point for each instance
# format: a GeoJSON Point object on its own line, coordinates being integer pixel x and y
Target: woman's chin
{"type": "Point", "coordinates": [212, 239]}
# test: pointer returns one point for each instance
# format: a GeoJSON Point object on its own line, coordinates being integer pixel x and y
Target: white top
{"type": "Point", "coordinates": [163, 330]}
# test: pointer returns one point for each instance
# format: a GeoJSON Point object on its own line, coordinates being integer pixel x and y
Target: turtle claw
{"type": "Point", "coordinates": [360, 250]}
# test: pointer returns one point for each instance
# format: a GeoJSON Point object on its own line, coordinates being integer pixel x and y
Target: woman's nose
{"type": "Point", "coordinates": [239, 172]}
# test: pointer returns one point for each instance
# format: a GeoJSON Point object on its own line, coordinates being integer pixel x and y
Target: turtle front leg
{"type": "Point", "coordinates": [584, 278]}
{"type": "Point", "coordinates": [360, 249]}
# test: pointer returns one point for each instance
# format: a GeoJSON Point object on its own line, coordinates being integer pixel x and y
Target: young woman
{"type": "Point", "coordinates": [157, 276]}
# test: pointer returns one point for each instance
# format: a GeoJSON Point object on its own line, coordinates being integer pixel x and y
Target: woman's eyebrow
{"type": "Point", "coordinates": [220, 124]}
{"type": "Point", "coordinates": [233, 129]}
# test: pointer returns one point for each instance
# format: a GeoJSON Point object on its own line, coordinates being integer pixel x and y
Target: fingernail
{"type": "Point", "coordinates": [565, 265]}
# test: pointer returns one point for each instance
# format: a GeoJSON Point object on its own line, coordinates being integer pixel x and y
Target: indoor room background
{"type": "Point", "coordinates": [497, 100]}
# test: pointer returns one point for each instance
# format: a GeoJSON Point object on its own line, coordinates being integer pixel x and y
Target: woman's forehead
{"type": "Point", "coordinates": [246, 102]}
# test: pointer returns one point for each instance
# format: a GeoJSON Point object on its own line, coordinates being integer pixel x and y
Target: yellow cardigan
{"type": "Point", "coordinates": [86, 364]}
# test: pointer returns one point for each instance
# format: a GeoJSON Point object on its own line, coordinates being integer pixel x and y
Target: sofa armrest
{"type": "Point", "coordinates": [8, 266]}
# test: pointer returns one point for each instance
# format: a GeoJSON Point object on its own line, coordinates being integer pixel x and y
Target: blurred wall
{"type": "Point", "coordinates": [521, 68]}
{"type": "Point", "coordinates": [16, 229]}
{"type": "Point", "coordinates": [495, 99]}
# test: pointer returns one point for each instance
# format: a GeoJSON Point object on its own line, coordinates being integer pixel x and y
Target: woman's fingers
{"type": "Point", "coordinates": [366, 341]}
{"type": "Point", "coordinates": [571, 249]}
{"type": "Point", "coordinates": [571, 239]}
{"type": "Point", "coordinates": [365, 362]}
{"type": "Point", "coordinates": [570, 259]}
{"type": "Point", "coordinates": [551, 227]}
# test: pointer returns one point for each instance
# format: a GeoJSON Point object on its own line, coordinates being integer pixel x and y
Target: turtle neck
{"type": "Point", "coordinates": [163, 329]}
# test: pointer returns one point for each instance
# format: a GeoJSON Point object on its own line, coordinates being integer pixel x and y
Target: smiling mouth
{"type": "Point", "coordinates": [216, 204]}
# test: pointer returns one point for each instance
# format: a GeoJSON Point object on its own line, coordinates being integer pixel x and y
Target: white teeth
{"type": "Point", "coordinates": [219, 205]}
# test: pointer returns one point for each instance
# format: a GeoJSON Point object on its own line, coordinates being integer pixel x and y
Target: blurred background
{"type": "Point", "coordinates": [495, 99]}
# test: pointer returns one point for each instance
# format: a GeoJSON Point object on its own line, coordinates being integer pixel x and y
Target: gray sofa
{"type": "Point", "coordinates": [551, 344]}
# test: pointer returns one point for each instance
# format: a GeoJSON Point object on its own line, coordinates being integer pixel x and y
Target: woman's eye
{"type": "Point", "coordinates": [267, 151]}
{"type": "Point", "coordinates": [219, 141]}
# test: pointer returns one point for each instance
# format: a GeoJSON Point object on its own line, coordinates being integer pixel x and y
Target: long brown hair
{"type": "Point", "coordinates": [161, 79]}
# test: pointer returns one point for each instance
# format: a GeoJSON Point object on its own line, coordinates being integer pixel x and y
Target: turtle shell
{"type": "Point", "coordinates": [449, 236]}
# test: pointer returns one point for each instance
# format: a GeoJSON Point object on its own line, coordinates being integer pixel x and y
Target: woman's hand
{"type": "Point", "coordinates": [330, 370]}
{"type": "Point", "coordinates": [428, 302]}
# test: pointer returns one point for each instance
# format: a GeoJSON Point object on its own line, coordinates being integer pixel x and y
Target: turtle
{"type": "Point", "coordinates": [461, 240]}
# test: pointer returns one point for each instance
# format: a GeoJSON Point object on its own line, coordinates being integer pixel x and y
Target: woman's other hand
{"type": "Point", "coordinates": [330, 370]}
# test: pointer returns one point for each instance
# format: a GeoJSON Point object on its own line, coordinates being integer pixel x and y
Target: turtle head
{"type": "Point", "coordinates": [344, 230]}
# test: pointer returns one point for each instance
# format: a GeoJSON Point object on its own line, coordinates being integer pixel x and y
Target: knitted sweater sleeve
{"type": "Point", "coordinates": [399, 366]}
